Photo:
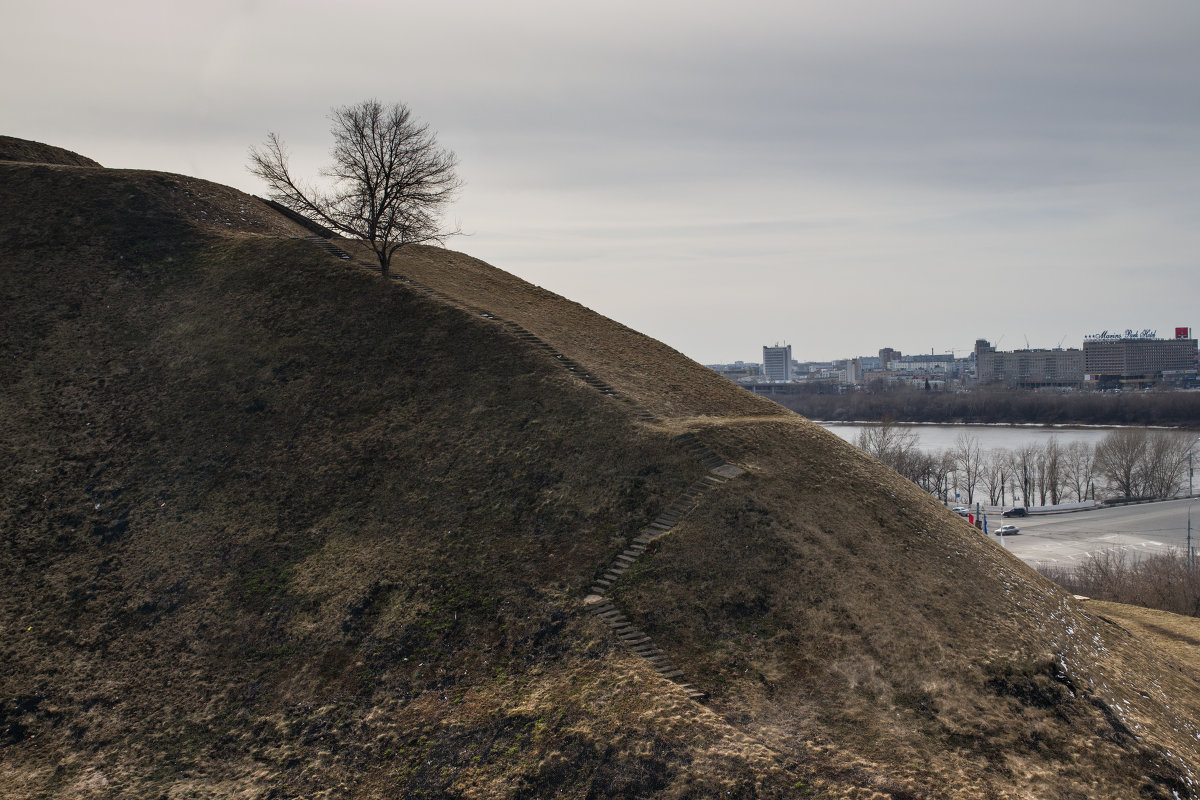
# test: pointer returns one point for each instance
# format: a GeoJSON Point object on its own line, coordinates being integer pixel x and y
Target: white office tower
{"type": "Point", "coordinates": [777, 363]}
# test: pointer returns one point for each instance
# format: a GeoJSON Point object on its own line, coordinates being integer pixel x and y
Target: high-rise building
{"type": "Point", "coordinates": [1136, 356]}
{"type": "Point", "coordinates": [1028, 367]}
{"type": "Point", "coordinates": [854, 371]}
{"type": "Point", "coordinates": [777, 363]}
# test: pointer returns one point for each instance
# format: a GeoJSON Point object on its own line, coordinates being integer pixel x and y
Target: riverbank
{"type": "Point", "coordinates": [1175, 409]}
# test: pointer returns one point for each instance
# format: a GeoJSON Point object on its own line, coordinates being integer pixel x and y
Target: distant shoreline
{"type": "Point", "coordinates": [1177, 409]}
{"type": "Point", "coordinates": [1060, 425]}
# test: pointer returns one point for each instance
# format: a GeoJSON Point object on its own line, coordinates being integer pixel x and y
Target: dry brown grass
{"type": "Point", "coordinates": [344, 531]}
{"type": "Point", "coordinates": [24, 150]}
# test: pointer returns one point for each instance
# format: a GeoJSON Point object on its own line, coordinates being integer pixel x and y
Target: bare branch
{"type": "Point", "coordinates": [389, 181]}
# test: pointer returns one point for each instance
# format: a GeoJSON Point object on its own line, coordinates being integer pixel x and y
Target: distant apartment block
{"type": "Point", "coordinates": [1055, 367]}
{"type": "Point", "coordinates": [854, 371]}
{"type": "Point", "coordinates": [738, 371]}
{"type": "Point", "coordinates": [886, 356]}
{"type": "Point", "coordinates": [777, 363]}
{"type": "Point", "coordinates": [930, 364]}
{"type": "Point", "coordinates": [1136, 357]}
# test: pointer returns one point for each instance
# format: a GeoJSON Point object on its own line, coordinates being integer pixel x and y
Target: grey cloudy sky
{"type": "Point", "coordinates": [842, 175]}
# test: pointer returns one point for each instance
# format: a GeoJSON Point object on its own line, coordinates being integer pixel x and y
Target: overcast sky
{"type": "Point", "coordinates": [840, 175]}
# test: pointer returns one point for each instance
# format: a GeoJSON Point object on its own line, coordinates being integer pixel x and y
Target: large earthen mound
{"type": "Point", "coordinates": [275, 526]}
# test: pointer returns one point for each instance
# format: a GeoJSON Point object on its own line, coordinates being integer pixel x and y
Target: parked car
{"type": "Point", "coordinates": [962, 511]}
{"type": "Point", "coordinates": [1015, 512]}
{"type": "Point", "coordinates": [1007, 530]}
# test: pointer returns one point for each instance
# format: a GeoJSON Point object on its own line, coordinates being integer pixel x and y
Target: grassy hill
{"type": "Point", "coordinates": [14, 149]}
{"type": "Point", "coordinates": [273, 526]}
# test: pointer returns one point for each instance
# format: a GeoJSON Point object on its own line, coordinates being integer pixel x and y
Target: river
{"type": "Point", "coordinates": [933, 437]}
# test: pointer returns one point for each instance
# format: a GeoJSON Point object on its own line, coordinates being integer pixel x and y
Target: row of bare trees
{"type": "Point", "coordinates": [1129, 462]}
{"type": "Point", "coordinates": [1140, 463]}
{"type": "Point", "coordinates": [1167, 581]}
{"type": "Point", "coordinates": [1043, 474]}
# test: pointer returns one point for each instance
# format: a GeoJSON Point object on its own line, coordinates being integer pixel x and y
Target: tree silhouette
{"type": "Point", "coordinates": [389, 181]}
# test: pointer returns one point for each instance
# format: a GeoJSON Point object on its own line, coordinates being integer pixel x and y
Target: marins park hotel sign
{"type": "Point", "coordinates": [1105, 336]}
{"type": "Point", "coordinates": [1129, 334]}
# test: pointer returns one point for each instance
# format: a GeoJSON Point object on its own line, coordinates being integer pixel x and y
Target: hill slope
{"type": "Point", "coordinates": [14, 149]}
{"type": "Point", "coordinates": [273, 526]}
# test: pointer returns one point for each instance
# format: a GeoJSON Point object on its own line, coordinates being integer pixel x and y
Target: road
{"type": "Point", "coordinates": [1136, 531]}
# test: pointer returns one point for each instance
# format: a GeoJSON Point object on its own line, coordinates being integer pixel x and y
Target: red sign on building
{"type": "Point", "coordinates": [1183, 333]}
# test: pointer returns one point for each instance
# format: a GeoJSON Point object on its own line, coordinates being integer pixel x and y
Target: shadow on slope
{"type": "Point", "coordinates": [272, 525]}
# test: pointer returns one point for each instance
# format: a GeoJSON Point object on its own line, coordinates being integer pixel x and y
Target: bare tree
{"type": "Point", "coordinates": [1119, 459]}
{"type": "Point", "coordinates": [941, 467]}
{"type": "Point", "coordinates": [898, 447]}
{"type": "Point", "coordinates": [887, 442]}
{"type": "Point", "coordinates": [1051, 471]}
{"type": "Point", "coordinates": [1164, 468]}
{"type": "Point", "coordinates": [995, 474]}
{"type": "Point", "coordinates": [389, 181]}
{"type": "Point", "coordinates": [969, 455]}
{"type": "Point", "coordinates": [1079, 468]}
{"type": "Point", "coordinates": [1024, 466]}
{"type": "Point", "coordinates": [927, 469]}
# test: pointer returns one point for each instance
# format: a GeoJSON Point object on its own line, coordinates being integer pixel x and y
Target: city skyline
{"type": "Point", "coordinates": [840, 176]}
{"type": "Point", "coordinates": [1115, 333]}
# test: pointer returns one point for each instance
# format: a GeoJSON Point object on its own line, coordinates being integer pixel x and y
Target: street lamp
{"type": "Point", "coordinates": [1190, 449]}
{"type": "Point", "coordinates": [1191, 554]}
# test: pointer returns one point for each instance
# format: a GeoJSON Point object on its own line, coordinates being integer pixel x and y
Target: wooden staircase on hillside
{"type": "Point", "coordinates": [721, 471]}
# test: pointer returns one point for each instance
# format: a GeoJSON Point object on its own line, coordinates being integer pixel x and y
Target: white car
{"type": "Point", "coordinates": [962, 511]}
{"type": "Point", "coordinates": [1007, 529]}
